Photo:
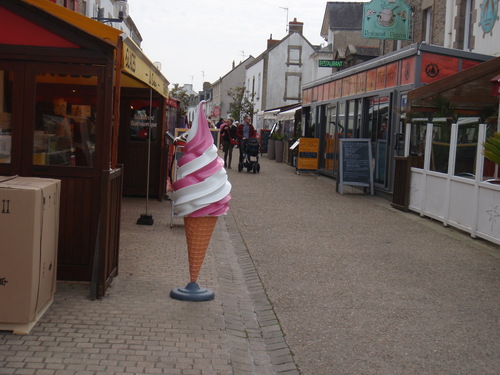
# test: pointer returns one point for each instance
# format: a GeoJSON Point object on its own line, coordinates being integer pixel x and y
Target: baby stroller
{"type": "Point", "coordinates": [250, 149]}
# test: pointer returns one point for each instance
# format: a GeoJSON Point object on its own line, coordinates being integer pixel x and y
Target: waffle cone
{"type": "Point", "coordinates": [198, 233]}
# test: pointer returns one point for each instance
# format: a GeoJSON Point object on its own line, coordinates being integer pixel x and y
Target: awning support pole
{"type": "Point", "coordinates": [147, 219]}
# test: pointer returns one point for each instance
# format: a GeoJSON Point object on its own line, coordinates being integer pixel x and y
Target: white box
{"type": "Point", "coordinates": [29, 227]}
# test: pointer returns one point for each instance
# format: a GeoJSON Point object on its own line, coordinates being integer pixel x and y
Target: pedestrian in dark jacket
{"type": "Point", "coordinates": [228, 138]}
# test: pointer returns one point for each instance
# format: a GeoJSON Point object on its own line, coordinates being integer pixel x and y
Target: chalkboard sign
{"type": "Point", "coordinates": [264, 138]}
{"type": "Point", "coordinates": [356, 163]}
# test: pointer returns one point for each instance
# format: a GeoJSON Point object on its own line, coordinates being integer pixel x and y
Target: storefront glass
{"type": "Point", "coordinates": [417, 142]}
{"type": "Point", "coordinates": [65, 131]}
{"type": "Point", "coordinates": [330, 139]}
{"type": "Point", "coordinates": [378, 122]}
{"type": "Point", "coordinates": [143, 116]}
{"type": "Point", "coordinates": [350, 119]}
{"type": "Point", "coordinates": [440, 153]}
{"type": "Point", "coordinates": [6, 79]}
{"type": "Point", "coordinates": [466, 149]}
{"type": "Point", "coordinates": [341, 123]}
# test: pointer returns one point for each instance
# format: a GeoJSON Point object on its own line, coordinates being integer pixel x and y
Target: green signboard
{"type": "Point", "coordinates": [386, 19]}
{"type": "Point", "coordinates": [330, 63]}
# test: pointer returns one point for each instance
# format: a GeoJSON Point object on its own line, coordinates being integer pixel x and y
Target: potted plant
{"type": "Point", "coordinates": [279, 145]}
{"type": "Point", "coordinates": [491, 151]}
{"type": "Point", "coordinates": [492, 148]}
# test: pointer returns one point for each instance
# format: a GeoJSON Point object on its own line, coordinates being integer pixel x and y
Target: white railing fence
{"type": "Point", "coordinates": [449, 181]}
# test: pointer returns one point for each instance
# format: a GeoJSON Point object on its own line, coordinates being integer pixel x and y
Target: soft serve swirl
{"type": "Point", "coordinates": [201, 188]}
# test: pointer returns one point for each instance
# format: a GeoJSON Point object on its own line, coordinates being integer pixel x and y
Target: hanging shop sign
{"type": "Point", "coordinates": [138, 66]}
{"type": "Point", "coordinates": [386, 19]}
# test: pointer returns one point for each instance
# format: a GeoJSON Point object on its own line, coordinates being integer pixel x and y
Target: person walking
{"type": "Point", "coordinates": [228, 136]}
{"type": "Point", "coordinates": [244, 132]}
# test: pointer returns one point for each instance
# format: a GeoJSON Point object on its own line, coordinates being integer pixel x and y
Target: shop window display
{"type": "Point", "coordinates": [142, 119]}
{"type": "Point", "coordinates": [65, 127]}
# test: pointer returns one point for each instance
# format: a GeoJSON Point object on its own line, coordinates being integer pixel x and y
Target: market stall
{"type": "Point", "coordinates": [61, 76]}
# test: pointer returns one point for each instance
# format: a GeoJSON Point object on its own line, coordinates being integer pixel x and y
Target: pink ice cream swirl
{"type": "Point", "coordinates": [201, 187]}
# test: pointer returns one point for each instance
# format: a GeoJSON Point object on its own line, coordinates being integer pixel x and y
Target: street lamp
{"type": "Point", "coordinates": [120, 8]}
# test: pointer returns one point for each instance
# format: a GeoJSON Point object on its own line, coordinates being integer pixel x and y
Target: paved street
{"type": "Point", "coordinates": [362, 288]}
{"type": "Point", "coordinates": [307, 281]}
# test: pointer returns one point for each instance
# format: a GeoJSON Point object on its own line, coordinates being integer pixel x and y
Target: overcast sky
{"type": "Point", "coordinates": [197, 40]}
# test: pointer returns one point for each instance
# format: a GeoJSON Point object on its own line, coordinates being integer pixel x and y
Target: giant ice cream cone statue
{"type": "Point", "coordinates": [201, 195]}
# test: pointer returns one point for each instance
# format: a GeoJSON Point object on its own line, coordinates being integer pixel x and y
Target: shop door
{"type": "Point", "coordinates": [379, 121]}
{"type": "Point", "coordinates": [330, 140]}
{"type": "Point", "coordinates": [140, 146]}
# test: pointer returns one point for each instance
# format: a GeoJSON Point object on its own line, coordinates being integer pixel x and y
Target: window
{"type": "Point", "coordinates": [468, 35]}
{"type": "Point", "coordinates": [292, 86]}
{"type": "Point", "coordinates": [143, 123]}
{"type": "Point", "coordinates": [330, 146]}
{"type": "Point", "coordinates": [70, 4]}
{"type": "Point", "coordinates": [65, 132]}
{"type": "Point", "coordinates": [294, 55]}
{"type": "Point", "coordinates": [6, 79]}
{"type": "Point", "coordinates": [427, 25]}
{"type": "Point", "coordinates": [258, 86]}
{"type": "Point", "coordinates": [440, 152]}
{"type": "Point", "coordinates": [253, 88]}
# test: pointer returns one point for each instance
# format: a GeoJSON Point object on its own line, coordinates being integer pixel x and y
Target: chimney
{"type": "Point", "coordinates": [271, 42]}
{"type": "Point", "coordinates": [234, 64]}
{"type": "Point", "coordinates": [295, 27]}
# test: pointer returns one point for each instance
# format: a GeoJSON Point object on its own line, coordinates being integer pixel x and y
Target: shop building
{"type": "Point", "coordinates": [274, 79]}
{"type": "Point", "coordinates": [369, 101]}
{"type": "Point", "coordinates": [69, 88]}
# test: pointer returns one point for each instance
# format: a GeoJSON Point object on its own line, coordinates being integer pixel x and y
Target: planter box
{"type": "Point", "coordinates": [278, 150]}
{"type": "Point", "coordinates": [270, 149]}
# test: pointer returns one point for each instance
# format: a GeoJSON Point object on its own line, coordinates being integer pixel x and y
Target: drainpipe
{"type": "Point", "coordinates": [448, 24]}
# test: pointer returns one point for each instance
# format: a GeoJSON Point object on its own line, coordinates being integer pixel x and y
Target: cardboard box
{"type": "Point", "coordinates": [29, 225]}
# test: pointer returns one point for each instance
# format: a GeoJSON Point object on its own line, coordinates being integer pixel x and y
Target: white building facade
{"type": "Point", "coordinates": [473, 26]}
{"type": "Point", "coordinates": [220, 89]}
{"type": "Point", "coordinates": [274, 80]}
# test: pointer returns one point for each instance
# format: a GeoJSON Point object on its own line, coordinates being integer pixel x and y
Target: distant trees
{"type": "Point", "coordinates": [180, 94]}
{"type": "Point", "coordinates": [241, 104]}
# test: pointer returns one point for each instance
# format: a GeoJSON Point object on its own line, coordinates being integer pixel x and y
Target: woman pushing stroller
{"type": "Point", "coordinates": [249, 146]}
{"type": "Point", "coordinates": [245, 131]}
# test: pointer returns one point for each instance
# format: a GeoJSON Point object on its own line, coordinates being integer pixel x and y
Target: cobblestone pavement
{"type": "Point", "coordinates": [306, 281]}
{"type": "Point", "coordinates": [361, 288]}
{"type": "Point", "coordinates": [138, 329]}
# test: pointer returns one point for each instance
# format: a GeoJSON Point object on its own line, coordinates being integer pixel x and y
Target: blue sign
{"type": "Point", "coordinates": [489, 15]}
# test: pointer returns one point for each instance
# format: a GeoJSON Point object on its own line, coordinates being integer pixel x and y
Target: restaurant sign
{"type": "Point", "coordinates": [330, 63]}
{"type": "Point", "coordinates": [386, 19]}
